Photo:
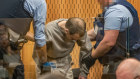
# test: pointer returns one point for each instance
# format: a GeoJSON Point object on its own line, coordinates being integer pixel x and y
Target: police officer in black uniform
{"type": "Point", "coordinates": [114, 45]}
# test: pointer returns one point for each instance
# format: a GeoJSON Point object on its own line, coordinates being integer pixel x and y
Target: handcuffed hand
{"type": "Point", "coordinates": [81, 77]}
{"type": "Point", "coordinates": [88, 61]}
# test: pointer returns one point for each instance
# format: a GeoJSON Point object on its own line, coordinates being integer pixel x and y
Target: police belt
{"type": "Point", "coordinates": [131, 52]}
{"type": "Point", "coordinates": [116, 54]}
{"type": "Point", "coordinates": [135, 51]}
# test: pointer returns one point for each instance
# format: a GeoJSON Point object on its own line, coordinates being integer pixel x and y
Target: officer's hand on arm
{"type": "Point", "coordinates": [42, 52]}
{"type": "Point", "coordinates": [92, 35]}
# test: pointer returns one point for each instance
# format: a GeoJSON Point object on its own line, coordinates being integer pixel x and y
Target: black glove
{"type": "Point", "coordinates": [14, 46]}
{"type": "Point", "coordinates": [2, 52]}
{"type": "Point", "coordinates": [88, 61]}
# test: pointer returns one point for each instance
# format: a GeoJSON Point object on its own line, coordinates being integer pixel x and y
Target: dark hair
{"type": "Point", "coordinates": [76, 25]}
{"type": "Point", "coordinates": [3, 29]}
{"type": "Point", "coordinates": [3, 36]}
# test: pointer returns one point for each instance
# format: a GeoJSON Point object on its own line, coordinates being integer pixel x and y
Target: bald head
{"type": "Point", "coordinates": [76, 25]}
{"type": "Point", "coordinates": [128, 69]}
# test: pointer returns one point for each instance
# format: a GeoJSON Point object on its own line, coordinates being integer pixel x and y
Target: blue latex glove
{"type": "Point", "coordinates": [49, 64]}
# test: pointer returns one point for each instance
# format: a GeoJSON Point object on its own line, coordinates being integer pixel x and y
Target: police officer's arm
{"type": "Point", "coordinates": [41, 51]}
{"type": "Point", "coordinates": [85, 48]}
{"type": "Point", "coordinates": [38, 10]}
{"type": "Point", "coordinates": [92, 35]}
{"type": "Point", "coordinates": [106, 44]}
{"type": "Point", "coordinates": [112, 25]}
{"type": "Point", "coordinates": [39, 24]}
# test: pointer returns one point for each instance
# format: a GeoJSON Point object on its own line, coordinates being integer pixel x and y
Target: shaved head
{"type": "Point", "coordinates": [76, 25]}
{"type": "Point", "coordinates": [128, 69]}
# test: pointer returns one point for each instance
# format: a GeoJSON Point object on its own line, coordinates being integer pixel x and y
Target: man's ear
{"type": "Point", "coordinates": [67, 31]}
